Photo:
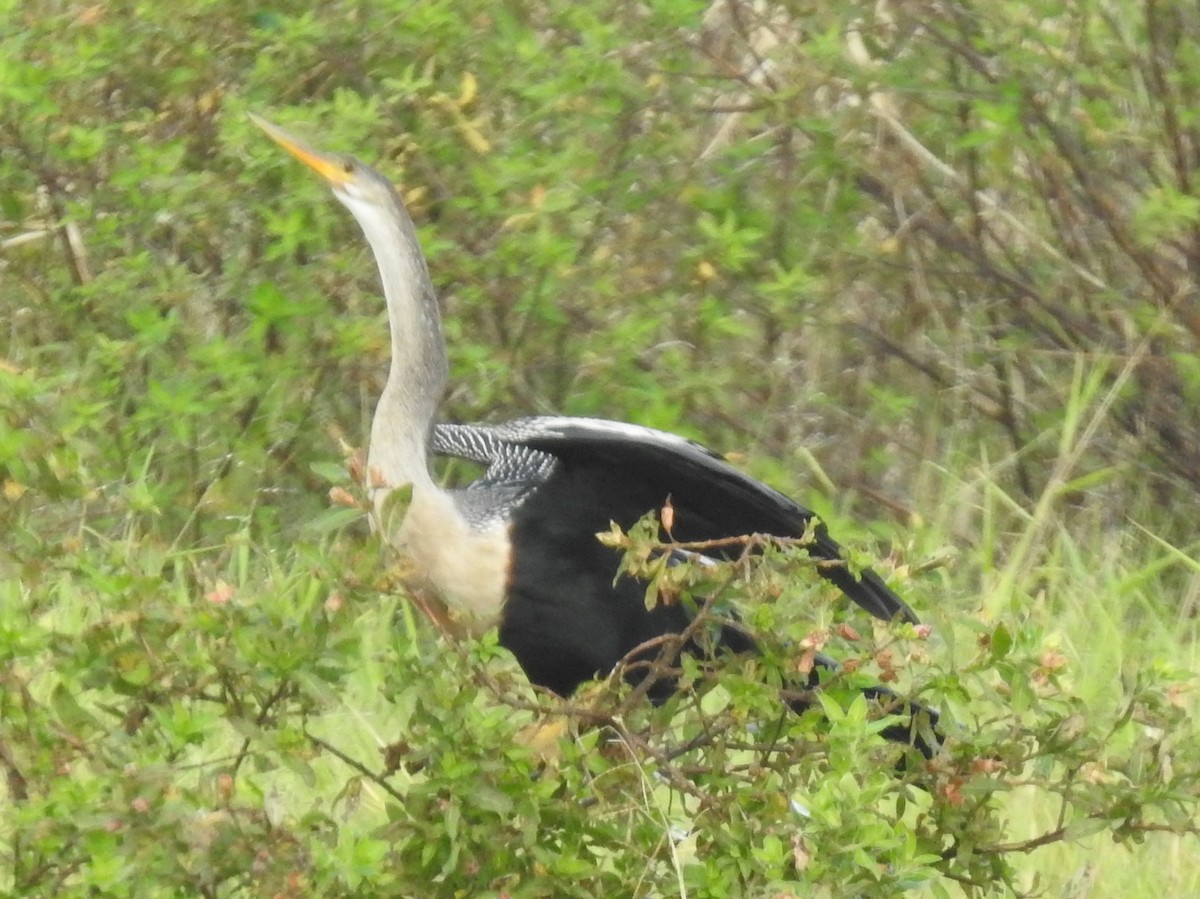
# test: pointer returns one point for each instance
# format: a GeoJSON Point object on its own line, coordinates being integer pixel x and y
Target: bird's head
{"type": "Point", "coordinates": [358, 186]}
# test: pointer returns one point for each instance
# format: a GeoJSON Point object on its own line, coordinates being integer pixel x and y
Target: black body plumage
{"type": "Point", "coordinates": [568, 616]}
{"type": "Point", "coordinates": [639, 469]}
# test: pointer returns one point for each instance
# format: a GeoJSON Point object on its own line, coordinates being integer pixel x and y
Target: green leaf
{"type": "Point", "coordinates": [1000, 642]}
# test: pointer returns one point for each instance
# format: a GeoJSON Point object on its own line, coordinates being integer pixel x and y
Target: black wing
{"type": "Point", "coordinates": [568, 616]}
{"type": "Point", "coordinates": [635, 469]}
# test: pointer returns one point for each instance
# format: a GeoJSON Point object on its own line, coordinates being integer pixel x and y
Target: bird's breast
{"type": "Point", "coordinates": [467, 567]}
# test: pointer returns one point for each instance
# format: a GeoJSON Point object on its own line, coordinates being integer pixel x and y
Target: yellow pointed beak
{"type": "Point", "coordinates": [328, 167]}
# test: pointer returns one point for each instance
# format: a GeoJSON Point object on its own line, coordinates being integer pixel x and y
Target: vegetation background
{"type": "Point", "coordinates": [929, 267]}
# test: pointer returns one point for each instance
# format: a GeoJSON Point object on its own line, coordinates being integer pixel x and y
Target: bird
{"type": "Point", "coordinates": [518, 549]}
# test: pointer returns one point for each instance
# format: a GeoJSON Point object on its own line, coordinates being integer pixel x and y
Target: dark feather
{"type": "Point", "coordinates": [568, 616]}
{"type": "Point", "coordinates": [711, 498]}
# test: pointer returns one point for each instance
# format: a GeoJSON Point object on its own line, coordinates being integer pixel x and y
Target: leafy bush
{"type": "Point", "coordinates": [935, 258]}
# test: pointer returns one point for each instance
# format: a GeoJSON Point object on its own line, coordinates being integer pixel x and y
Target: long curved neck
{"type": "Point", "coordinates": [398, 453]}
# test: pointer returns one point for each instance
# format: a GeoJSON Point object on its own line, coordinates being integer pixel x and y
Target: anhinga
{"type": "Point", "coordinates": [518, 548]}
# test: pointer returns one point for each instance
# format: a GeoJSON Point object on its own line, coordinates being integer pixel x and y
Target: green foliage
{"type": "Point", "coordinates": [941, 254]}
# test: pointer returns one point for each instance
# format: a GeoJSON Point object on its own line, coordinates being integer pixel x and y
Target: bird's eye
{"type": "Point", "coordinates": [348, 166]}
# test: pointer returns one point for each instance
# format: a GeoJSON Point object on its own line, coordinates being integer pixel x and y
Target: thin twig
{"type": "Point", "coordinates": [358, 766]}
